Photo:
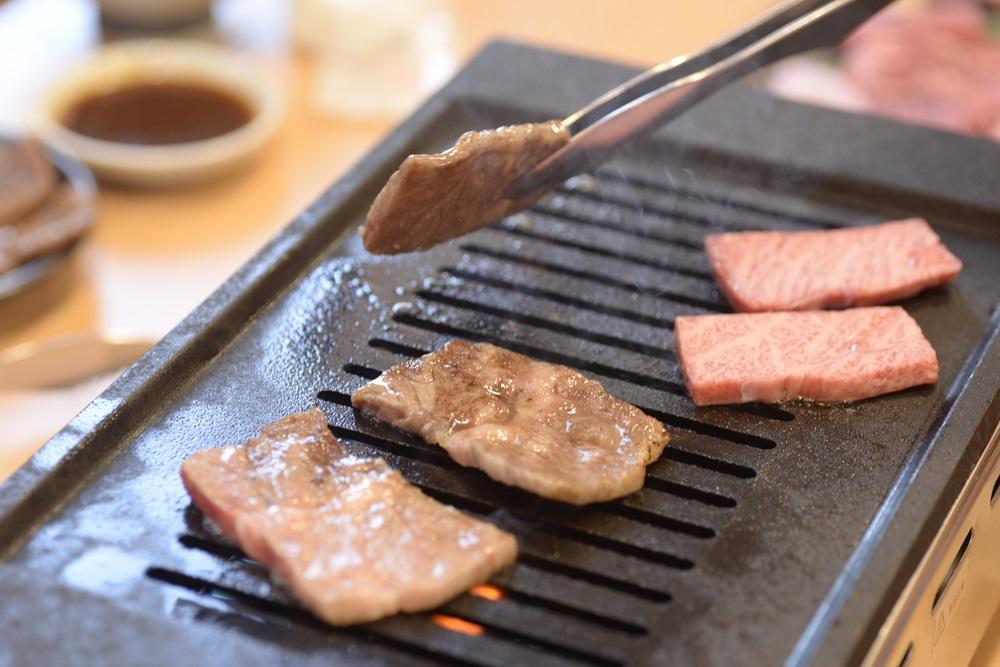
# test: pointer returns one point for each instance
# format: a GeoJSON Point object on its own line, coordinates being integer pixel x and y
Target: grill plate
{"type": "Point", "coordinates": [756, 522]}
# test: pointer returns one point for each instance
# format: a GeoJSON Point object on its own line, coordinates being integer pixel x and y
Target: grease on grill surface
{"type": "Point", "coordinates": [539, 426]}
{"type": "Point", "coordinates": [352, 538]}
{"type": "Point", "coordinates": [433, 198]}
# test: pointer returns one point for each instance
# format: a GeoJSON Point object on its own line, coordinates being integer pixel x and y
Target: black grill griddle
{"type": "Point", "coordinates": [763, 534]}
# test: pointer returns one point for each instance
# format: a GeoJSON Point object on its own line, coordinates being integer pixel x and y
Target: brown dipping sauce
{"type": "Point", "coordinates": [158, 113]}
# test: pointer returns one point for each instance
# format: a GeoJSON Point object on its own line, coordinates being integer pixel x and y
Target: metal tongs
{"type": "Point", "coordinates": [664, 92]}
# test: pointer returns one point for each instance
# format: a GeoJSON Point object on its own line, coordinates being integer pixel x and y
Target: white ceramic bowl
{"type": "Point", "coordinates": [159, 61]}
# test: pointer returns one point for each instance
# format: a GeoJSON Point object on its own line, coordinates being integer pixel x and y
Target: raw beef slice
{"type": "Point", "coordinates": [818, 355]}
{"type": "Point", "coordinates": [861, 266]}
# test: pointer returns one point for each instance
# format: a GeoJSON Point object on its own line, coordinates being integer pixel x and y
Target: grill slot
{"type": "Point", "coordinates": [225, 551]}
{"type": "Point", "coordinates": [517, 315]}
{"type": "Point", "coordinates": [711, 300]}
{"type": "Point", "coordinates": [591, 656]}
{"type": "Point", "coordinates": [694, 476]}
{"type": "Point", "coordinates": [683, 491]}
{"type": "Point", "coordinates": [631, 202]}
{"type": "Point", "coordinates": [557, 235]}
{"type": "Point", "coordinates": [653, 519]}
{"type": "Point", "coordinates": [602, 621]}
{"type": "Point", "coordinates": [720, 432]}
{"type": "Point", "coordinates": [336, 397]}
{"type": "Point", "coordinates": [408, 450]}
{"type": "Point", "coordinates": [595, 577]}
{"type": "Point", "coordinates": [589, 312]}
{"type": "Point", "coordinates": [628, 206]}
{"type": "Point", "coordinates": [616, 224]}
{"type": "Point", "coordinates": [522, 524]}
{"type": "Point", "coordinates": [580, 595]}
{"type": "Point", "coordinates": [634, 215]}
{"type": "Point", "coordinates": [724, 198]}
{"type": "Point", "coordinates": [396, 348]}
{"type": "Point", "coordinates": [366, 372]}
{"type": "Point", "coordinates": [593, 647]}
{"type": "Point", "coordinates": [707, 462]}
{"type": "Point", "coordinates": [600, 308]}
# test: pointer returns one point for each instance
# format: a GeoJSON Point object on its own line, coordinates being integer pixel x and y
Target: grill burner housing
{"type": "Point", "coordinates": [757, 529]}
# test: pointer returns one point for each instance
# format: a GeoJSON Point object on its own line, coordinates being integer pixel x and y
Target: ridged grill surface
{"type": "Point", "coordinates": [590, 280]}
{"type": "Point", "coordinates": [745, 521]}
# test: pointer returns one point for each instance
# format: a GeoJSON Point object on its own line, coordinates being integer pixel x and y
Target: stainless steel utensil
{"type": "Point", "coordinates": [664, 92]}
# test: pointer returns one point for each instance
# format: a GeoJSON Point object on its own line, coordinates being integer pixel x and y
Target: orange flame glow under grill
{"type": "Point", "coordinates": [487, 592]}
{"type": "Point", "coordinates": [457, 625]}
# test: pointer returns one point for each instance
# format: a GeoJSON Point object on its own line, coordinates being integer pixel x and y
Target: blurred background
{"type": "Point", "coordinates": [91, 281]}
